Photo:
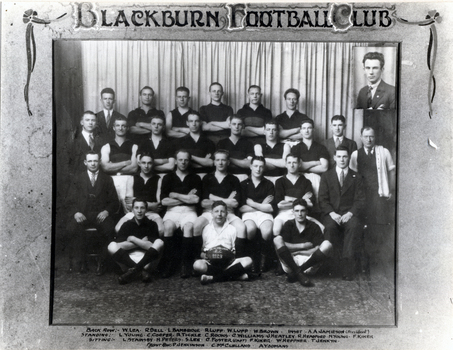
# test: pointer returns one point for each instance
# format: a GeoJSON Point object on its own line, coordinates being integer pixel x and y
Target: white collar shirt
{"type": "Point", "coordinates": [225, 238]}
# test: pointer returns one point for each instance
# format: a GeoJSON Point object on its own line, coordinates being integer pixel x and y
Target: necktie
{"type": "Point", "coordinates": [92, 179]}
{"type": "Point", "coordinates": [108, 118]}
{"type": "Point", "coordinates": [91, 143]}
{"type": "Point", "coordinates": [341, 178]}
{"type": "Point", "coordinates": [369, 96]}
{"type": "Point", "coordinates": [337, 142]}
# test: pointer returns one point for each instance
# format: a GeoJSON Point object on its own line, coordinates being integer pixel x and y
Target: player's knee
{"type": "Point", "coordinates": [112, 248]}
{"type": "Point", "coordinates": [279, 242]}
{"type": "Point", "coordinates": [200, 266]}
{"type": "Point", "coordinates": [158, 244]}
{"type": "Point", "coordinates": [246, 262]}
{"type": "Point", "coordinates": [326, 247]}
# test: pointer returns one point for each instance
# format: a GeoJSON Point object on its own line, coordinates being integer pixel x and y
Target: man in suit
{"type": "Point", "coordinates": [92, 200]}
{"type": "Point", "coordinates": [85, 140]}
{"type": "Point", "coordinates": [377, 94]}
{"type": "Point", "coordinates": [338, 124]}
{"type": "Point", "coordinates": [106, 117]}
{"type": "Point", "coordinates": [342, 199]}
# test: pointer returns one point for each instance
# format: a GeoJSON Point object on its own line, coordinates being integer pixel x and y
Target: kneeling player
{"type": "Point", "coordinates": [137, 235]}
{"type": "Point", "coordinates": [218, 261]}
{"type": "Point", "coordinates": [301, 245]}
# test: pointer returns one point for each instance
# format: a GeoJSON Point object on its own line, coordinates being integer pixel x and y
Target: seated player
{"type": "Point", "coordinates": [106, 117]}
{"type": "Point", "coordinates": [139, 119]}
{"type": "Point", "coordinates": [342, 200]}
{"type": "Point", "coordinates": [288, 188]}
{"type": "Point", "coordinates": [239, 148]}
{"type": "Point", "coordinates": [199, 146]}
{"type": "Point", "coordinates": [159, 146]}
{"type": "Point", "coordinates": [257, 199]}
{"type": "Point", "coordinates": [290, 120]}
{"type": "Point", "coordinates": [220, 264]}
{"type": "Point", "coordinates": [176, 126]}
{"type": "Point", "coordinates": [85, 140]}
{"type": "Point", "coordinates": [314, 156]}
{"type": "Point", "coordinates": [255, 115]}
{"type": "Point", "coordinates": [226, 187]}
{"type": "Point", "coordinates": [91, 201]}
{"type": "Point", "coordinates": [180, 193]}
{"type": "Point", "coordinates": [338, 124]}
{"type": "Point", "coordinates": [273, 151]}
{"type": "Point", "coordinates": [216, 115]}
{"type": "Point", "coordinates": [119, 156]}
{"type": "Point", "coordinates": [145, 185]}
{"type": "Point", "coordinates": [137, 235]}
{"type": "Point", "coordinates": [301, 245]}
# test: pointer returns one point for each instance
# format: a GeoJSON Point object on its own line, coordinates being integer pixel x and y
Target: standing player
{"type": "Point", "coordinates": [199, 146]}
{"type": "Point", "coordinates": [176, 126]}
{"type": "Point", "coordinates": [239, 148]}
{"type": "Point", "coordinates": [255, 115]}
{"type": "Point", "coordinates": [273, 151]}
{"type": "Point", "coordinates": [119, 156]}
{"type": "Point", "coordinates": [140, 118]}
{"type": "Point", "coordinates": [257, 199]}
{"type": "Point", "coordinates": [159, 146]}
{"type": "Point", "coordinates": [290, 120]}
{"type": "Point", "coordinates": [314, 156]}
{"type": "Point", "coordinates": [216, 115]}
{"type": "Point", "coordinates": [180, 193]}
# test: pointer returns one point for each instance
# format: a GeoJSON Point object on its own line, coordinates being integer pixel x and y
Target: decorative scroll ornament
{"type": "Point", "coordinates": [430, 20]}
{"type": "Point", "coordinates": [31, 17]}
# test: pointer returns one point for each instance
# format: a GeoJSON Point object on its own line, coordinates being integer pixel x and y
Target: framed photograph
{"type": "Point", "coordinates": [379, 70]}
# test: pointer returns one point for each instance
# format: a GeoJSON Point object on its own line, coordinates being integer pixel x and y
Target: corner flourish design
{"type": "Point", "coordinates": [31, 17]}
{"type": "Point", "coordinates": [431, 19]}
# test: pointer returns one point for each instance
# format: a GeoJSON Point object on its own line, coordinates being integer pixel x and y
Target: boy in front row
{"type": "Point", "coordinates": [223, 264]}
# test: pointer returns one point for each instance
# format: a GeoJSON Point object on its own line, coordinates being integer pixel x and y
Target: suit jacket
{"type": "Point", "coordinates": [104, 129]}
{"type": "Point", "coordinates": [330, 145]}
{"type": "Point", "coordinates": [106, 197]}
{"type": "Point", "coordinates": [384, 95]}
{"type": "Point", "coordinates": [78, 150]}
{"type": "Point", "coordinates": [333, 198]}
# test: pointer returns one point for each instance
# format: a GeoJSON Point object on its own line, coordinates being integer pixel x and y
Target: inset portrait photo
{"type": "Point", "coordinates": [375, 74]}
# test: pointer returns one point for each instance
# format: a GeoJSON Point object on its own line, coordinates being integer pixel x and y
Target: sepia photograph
{"type": "Point", "coordinates": [254, 154]}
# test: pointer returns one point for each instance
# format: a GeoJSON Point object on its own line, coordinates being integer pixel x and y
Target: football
{"type": "Point", "coordinates": [220, 256]}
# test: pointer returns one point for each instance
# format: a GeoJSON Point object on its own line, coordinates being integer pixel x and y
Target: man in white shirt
{"type": "Point", "coordinates": [220, 234]}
